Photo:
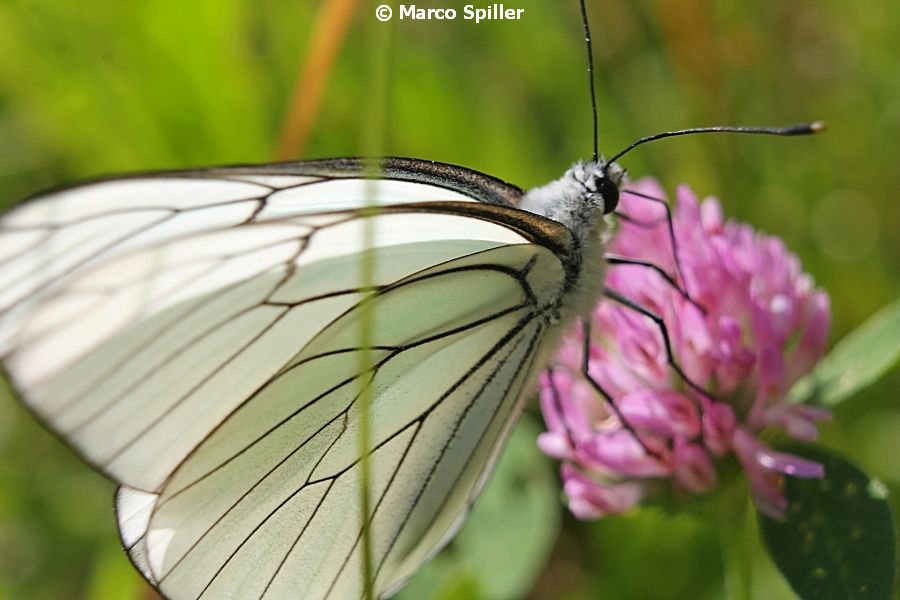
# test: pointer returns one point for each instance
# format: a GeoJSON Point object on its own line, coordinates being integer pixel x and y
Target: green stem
{"type": "Point", "coordinates": [736, 539]}
{"type": "Point", "coordinates": [372, 144]}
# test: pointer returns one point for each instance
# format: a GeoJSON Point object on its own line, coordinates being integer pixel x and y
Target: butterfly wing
{"type": "Point", "coordinates": [196, 338]}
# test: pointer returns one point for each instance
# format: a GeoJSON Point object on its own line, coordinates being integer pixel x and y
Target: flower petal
{"type": "Point", "coordinates": [694, 468]}
{"type": "Point", "coordinates": [619, 452]}
{"type": "Point", "coordinates": [589, 499]}
{"type": "Point", "coordinates": [667, 413]}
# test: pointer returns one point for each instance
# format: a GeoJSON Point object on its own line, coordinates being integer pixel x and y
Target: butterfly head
{"type": "Point", "coordinates": [601, 181]}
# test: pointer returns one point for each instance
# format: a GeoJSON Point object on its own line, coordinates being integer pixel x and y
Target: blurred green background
{"type": "Point", "coordinates": [92, 88]}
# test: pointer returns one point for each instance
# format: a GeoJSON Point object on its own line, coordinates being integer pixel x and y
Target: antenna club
{"type": "Point", "coordinates": [803, 128]}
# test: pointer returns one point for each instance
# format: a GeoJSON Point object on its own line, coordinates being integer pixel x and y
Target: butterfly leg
{"type": "Point", "coordinates": [664, 331]}
{"type": "Point", "coordinates": [621, 260]}
{"type": "Point", "coordinates": [669, 225]}
{"type": "Point", "coordinates": [673, 281]}
{"type": "Point", "coordinates": [585, 372]}
{"type": "Point", "coordinates": [557, 406]}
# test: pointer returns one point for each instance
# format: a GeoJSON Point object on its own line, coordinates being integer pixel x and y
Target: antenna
{"type": "Point", "coordinates": [590, 70]}
{"type": "Point", "coordinates": [799, 129]}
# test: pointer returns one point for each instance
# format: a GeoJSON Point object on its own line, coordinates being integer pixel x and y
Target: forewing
{"type": "Point", "coordinates": [136, 314]}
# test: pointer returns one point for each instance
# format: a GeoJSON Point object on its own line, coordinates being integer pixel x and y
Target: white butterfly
{"type": "Point", "coordinates": [194, 336]}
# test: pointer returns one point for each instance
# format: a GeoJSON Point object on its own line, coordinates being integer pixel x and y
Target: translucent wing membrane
{"type": "Point", "coordinates": [133, 509]}
{"type": "Point", "coordinates": [195, 337]}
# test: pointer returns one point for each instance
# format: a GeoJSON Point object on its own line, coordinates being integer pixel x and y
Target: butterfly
{"type": "Point", "coordinates": [195, 336]}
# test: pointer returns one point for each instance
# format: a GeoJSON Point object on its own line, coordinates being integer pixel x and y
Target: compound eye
{"type": "Point", "coordinates": [610, 194]}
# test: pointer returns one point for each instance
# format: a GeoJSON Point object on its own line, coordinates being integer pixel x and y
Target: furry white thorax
{"type": "Point", "coordinates": [574, 199]}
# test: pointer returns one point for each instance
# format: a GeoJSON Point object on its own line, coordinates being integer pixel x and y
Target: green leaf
{"type": "Point", "coordinates": [837, 541]}
{"type": "Point", "coordinates": [857, 361]}
{"type": "Point", "coordinates": [502, 549]}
